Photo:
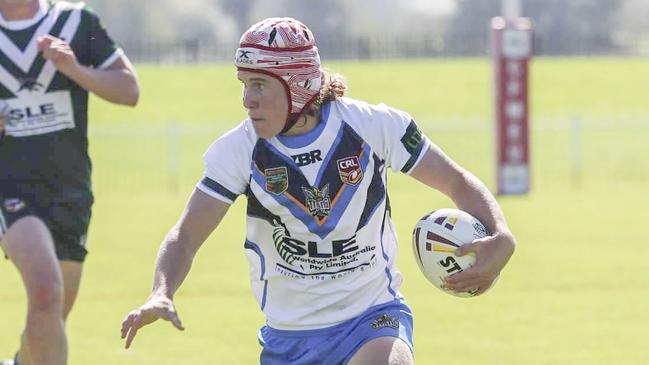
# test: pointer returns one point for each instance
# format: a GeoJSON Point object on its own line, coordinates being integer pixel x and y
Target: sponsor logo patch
{"type": "Point", "coordinates": [412, 138]}
{"type": "Point", "coordinates": [350, 171]}
{"type": "Point", "coordinates": [276, 180]}
{"type": "Point", "coordinates": [308, 158]}
{"type": "Point", "coordinates": [385, 321]}
{"type": "Point", "coordinates": [482, 231]}
{"type": "Point", "coordinates": [244, 57]}
{"type": "Point", "coordinates": [317, 200]}
{"type": "Point", "coordinates": [14, 205]}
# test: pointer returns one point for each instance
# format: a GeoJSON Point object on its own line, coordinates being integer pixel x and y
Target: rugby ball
{"type": "Point", "coordinates": [436, 237]}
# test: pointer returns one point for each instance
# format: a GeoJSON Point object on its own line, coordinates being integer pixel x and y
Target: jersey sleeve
{"type": "Point", "coordinates": [103, 51]}
{"type": "Point", "coordinates": [401, 142]}
{"type": "Point", "coordinates": [227, 167]}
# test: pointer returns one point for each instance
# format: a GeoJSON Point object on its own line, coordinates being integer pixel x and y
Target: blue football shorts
{"type": "Point", "coordinates": [337, 344]}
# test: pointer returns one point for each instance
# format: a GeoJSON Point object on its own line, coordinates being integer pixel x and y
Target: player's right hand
{"type": "Point", "coordinates": [59, 52]}
{"type": "Point", "coordinates": [155, 308]}
{"type": "Point", "coordinates": [492, 254]}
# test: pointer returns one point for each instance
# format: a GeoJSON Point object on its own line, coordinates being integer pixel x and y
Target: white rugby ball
{"type": "Point", "coordinates": [436, 237]}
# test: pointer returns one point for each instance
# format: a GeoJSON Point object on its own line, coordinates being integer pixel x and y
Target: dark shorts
{"type": "Point", "coordinates": [67, 221]}
{"type": "Point", "coordinates": [336, 345]}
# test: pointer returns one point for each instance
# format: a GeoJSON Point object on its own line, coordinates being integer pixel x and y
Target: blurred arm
{"type": "Point", "coordinates": [117, 83]}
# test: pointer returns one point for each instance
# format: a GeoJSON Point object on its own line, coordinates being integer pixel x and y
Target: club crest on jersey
{"type": "Point", "coordinates": [14, 205]}
{"type": "Point", "coordinates": [276, 180]}
{"type": "Point", "coordinates": [349, 169]}
{"type": "Point", "coordinates": [29, 84]}
{"type": "Point", "coordinates": [317, 201]}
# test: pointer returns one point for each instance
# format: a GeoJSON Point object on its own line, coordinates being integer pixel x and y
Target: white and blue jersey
{"type": "Point", "coordinates": [320, 241]}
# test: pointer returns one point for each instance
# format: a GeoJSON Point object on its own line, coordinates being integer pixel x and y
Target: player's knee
{"type": "Point", "coordinates": [384, 350]}
{"type": "Point", "coordinates": [45, 294]}
{"type": "Point", "coordinates": [400, 355]}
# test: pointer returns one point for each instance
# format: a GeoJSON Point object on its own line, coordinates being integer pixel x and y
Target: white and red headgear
{"type": "Point", "coordinates": [283, 48]}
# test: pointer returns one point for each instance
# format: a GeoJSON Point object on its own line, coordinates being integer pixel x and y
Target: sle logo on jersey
{"type": "Point", "coordinates": [276, 180]}
{"type": "Point", "coordinates": [350, 170]}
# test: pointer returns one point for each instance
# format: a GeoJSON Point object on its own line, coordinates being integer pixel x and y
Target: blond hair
{"type": "Point", "coordinates": [334, 85]}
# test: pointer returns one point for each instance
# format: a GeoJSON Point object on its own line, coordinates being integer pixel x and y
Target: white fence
{"type": "Point", "coordinates": [573, 150]}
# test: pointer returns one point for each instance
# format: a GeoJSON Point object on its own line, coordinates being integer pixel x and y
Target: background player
{"type": "Point", "coordinates": [52, 55]}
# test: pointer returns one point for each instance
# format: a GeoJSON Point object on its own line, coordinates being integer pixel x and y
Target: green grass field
{"type": "Point", "coordinates": [575, 292]}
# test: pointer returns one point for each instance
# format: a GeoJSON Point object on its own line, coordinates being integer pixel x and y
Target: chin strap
{"type": "Point", "coordinates": [290, 122]}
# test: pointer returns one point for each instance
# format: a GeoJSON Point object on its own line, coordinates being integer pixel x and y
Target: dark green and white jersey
{"type": "Point", "coordinates": [45, 144]}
